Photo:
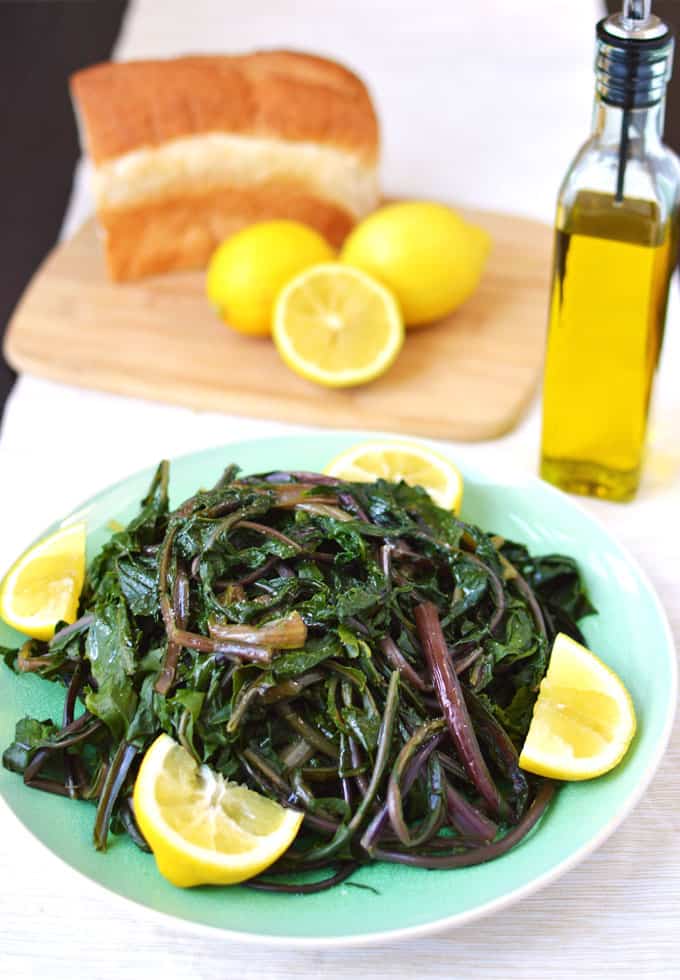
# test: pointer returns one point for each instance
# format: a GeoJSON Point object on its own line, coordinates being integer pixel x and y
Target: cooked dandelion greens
{"type": "Point", "coordinates": [350, 650]}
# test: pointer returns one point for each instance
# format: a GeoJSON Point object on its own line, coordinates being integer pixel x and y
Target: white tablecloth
{"type": "Point", "coordinates": [484, 106]}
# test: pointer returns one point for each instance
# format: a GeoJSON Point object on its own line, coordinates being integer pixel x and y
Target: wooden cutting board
{"type": "Point", "coordinates": [470, 377]}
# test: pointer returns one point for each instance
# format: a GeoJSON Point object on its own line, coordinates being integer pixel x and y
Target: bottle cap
{"type": "Point", "coordinates": [634, 56]}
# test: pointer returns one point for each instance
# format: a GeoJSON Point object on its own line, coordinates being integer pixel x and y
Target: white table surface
{"type": "Point", "coordinates": [484, 107]}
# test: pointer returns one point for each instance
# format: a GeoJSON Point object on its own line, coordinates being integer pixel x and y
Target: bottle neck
{"type": "Point", "coordinates": [644, 125]}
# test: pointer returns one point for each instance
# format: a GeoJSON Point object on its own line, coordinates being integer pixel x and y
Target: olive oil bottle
{"type": "Point", "coordinates": [615, 249]}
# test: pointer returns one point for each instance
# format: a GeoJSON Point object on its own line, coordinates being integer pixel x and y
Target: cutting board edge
{"type": "Point", "coordinates": [8, 340]}
{"type": "Point", "coordinates": [226, 404]}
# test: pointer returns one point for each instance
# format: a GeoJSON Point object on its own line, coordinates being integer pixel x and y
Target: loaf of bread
{"type": "Point", "coordinates": [189, 150]}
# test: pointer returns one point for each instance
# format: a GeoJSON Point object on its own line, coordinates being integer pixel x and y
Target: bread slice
{"type": "Point", "coordinates": [189, 150]}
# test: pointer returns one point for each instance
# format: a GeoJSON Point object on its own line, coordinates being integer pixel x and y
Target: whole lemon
{"type": "Point", "coordinates": [427, 254]}
{"type": "Point", "coordinates": [248, 270]}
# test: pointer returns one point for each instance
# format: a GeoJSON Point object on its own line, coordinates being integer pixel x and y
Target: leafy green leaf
{"type": "Point", "coordinates": [29, 735]}
{"type": "Point", "coordinates": [363, 726]}
{"type": "Point", "coordinates": [144, 725]}
{"type": "Point", "coordinates": [145, 526]}
{"type": "Point", "coordinates": [138, 579]}
{"type": "Point", "coordinates": [111, 650]}
{"type": "Point", "coordinates": [9, 655]}
{"type": "Point", "coordinates": [294, 663]}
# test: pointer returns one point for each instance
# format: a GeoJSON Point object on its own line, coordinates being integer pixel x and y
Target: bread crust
{"type": "Point", "coordinates": [181, 233]}
{"type": "Point", "coordinates": [189, 150]}
{"type": "Point", "coordinates": [125, 106]}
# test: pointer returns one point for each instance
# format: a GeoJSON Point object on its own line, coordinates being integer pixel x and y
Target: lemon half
{"type": "Point", "coordinates": [337, 326]}
{"type": "Point", "coordinates": [583, 720]}
{"type": "Point", "coordinates": [201, 828]}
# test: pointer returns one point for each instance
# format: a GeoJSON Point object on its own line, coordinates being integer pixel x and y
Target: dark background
{"type": "Point", "coordinates": [41, 43]}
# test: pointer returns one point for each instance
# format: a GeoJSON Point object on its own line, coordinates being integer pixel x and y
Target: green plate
{"type": "Point", "coordinates": [631, 634]}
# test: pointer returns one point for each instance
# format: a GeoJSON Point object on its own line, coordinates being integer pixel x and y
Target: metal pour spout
{"type": "Point", "coordinates": [636, 13]}
{"type": "Point", "coordinates": [635, 49]}
{"type": "Point", "coordinates": [636, 22]}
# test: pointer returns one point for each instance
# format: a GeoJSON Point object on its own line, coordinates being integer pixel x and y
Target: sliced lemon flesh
{"type": "Point", "coordinates": [413, 462]}
{"type": "Point", "coordinates": [583, 720]}
{"type": "Point", "coordinates": [337, 326]}
{"type": "Point", "coordinates": [43, 586]}
{"type": "Point", "coordinates": [202, 828]}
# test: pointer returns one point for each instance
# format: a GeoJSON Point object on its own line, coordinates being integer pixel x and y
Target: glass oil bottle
{"type": "Point", "coordinates": [615, 249]}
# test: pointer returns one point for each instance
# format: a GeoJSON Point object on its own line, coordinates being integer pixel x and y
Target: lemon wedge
{"type": "Point", "coordinates": [412, 462]}
{"type": "Point", "coordinates": [43, 586]}
{"type": "Point", "coordinates": [337, 326]}
{"type": "Point", "coordinates": [583, 720]}
{"type": "Point", "coordinates": [202, 829]}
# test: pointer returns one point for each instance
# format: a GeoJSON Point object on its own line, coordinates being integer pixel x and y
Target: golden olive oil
{"type": "Point", "coordinates": [612, 264]}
